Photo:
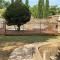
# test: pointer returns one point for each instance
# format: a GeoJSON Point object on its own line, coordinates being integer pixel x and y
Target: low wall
{"type": "Point", "coordinates": [29, 32]}
{"type": "Point", "coordinates": [26, 32]}
{"type": "Point", "coordinates": [2, 31]}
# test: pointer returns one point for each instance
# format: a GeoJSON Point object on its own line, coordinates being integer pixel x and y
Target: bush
{"type": "Point", "coordinates": [17, 14]}
{"type": "Point", "coordinates": [1, 12]}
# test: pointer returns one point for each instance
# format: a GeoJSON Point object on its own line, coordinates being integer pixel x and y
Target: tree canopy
{"type": "Point", "coordinates": [27, 3]}
{"type": "Point", "coordinates": [4, 4]}
{"type": "Point", "coordinates": [17, 14]}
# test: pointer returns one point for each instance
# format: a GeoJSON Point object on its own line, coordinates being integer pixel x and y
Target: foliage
{"type": "Point", "coordinates": [17, 14]}
{"type": "Point", "coordinates": [4, 4]}
{"type": "Point", "coordinates": [1, 12]}
{"type": "Point", "coordinates": [46, 9]}
{"type": "Point", "coordinates": [1, 4]}
{"type": "Point", "coordinates": [40, 8]}
{"type": "Point", "coordinates": [53, 10]}
{"type": "Point", "coordinates": [12, 1]}
{"type": "Point", "coordinates": [58, 10]}
{"type": "Point", "coordinates": [27, 3]}
{"type": "Point", "coordinates": [19, 1]}
{"type": "Point", "coordinates": [34, 11]}
{"type": "Point", "coordinates": [43, 8]}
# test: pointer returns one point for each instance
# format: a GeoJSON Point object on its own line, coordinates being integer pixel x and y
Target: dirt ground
{"type": "Point", "coordinates": [7, 47]}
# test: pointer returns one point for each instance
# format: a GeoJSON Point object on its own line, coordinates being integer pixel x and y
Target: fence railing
{"type": "Point", "coordinates": [37, 27]}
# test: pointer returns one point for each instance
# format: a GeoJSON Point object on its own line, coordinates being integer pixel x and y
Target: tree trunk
{"type": "Point", "coordinates": [18, 29]}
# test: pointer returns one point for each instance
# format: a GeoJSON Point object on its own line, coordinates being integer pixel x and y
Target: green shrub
{"type": "Point", "coordinates": [17, 14]}
{"type": "Point", "coordinates": [1, 12]}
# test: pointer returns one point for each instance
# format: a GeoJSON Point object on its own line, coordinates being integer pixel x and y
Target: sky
{"type": "Point", "coordinates": [51, 2]}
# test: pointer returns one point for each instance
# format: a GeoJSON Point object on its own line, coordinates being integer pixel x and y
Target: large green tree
{"type": "Point", "coordinates": [40, 8]}
{"type": "Point", "coordinates": [19, 0]}
{"type": "Point", "coordinates": [47, 9]}
{"type": "Point", "coordinates": [43, 8]}
{"type": "Point", "coordinates": [1, 3]}
{"type": "Point", "coordinates": [58, 10]}
{"type": "Point", "coordinates": [34, 11]}
{"type": "Point", "coordinates": [27, 3]}
{"type": "Point", "coordinates": [12, 1]}
{"type": "Point", "coordinates": [17, 14]}
{"type": "Point", "coordinates": [4, 4]}
{"type": "Point", "coordinates": [53, 10]}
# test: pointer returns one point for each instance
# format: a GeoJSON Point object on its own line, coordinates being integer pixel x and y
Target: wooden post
{"type": "Point", "coordinates": [4, 27]}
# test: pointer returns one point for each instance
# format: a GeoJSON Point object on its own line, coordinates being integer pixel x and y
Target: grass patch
{"type": "Point", "coordinates": [1, 12]}
{"type": "Point", "coordinates": [27, 39]}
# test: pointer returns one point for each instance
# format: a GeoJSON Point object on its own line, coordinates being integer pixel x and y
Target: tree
{"type": "Point", "coordinates": [12, 1]}
{"type": "Point", "coordinates": [1, 4]}
{"type": "Point", "coordinates": [27, 3]}
{"type": "Point", "coordinates": [53, 10]}
{"type": "Point", "coordinates": [47, 9]}
{"type": "Point", "coordinates": [17, 14]}
{"type": "Point", "coordinates": [19, 1]}
{"type": "Point", "coordinates": [40, 8]}
{"type": "Point", "coordinates": [6, 3]}
{"type": "Point", "coordinates": [34, 11]}
{"type": "Point", "coordinates": [58, 11]}
{"type": "Point", "coordinates": [43, 8]}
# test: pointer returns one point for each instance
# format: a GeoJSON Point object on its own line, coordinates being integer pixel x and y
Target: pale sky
{"type": "Point", "coordinates": [34, 2]}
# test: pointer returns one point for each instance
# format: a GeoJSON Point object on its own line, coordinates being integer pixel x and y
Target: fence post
{"type": "Point", "coordinates": [40, 26]}
{"type": "Point", "coordinates": [4, 27]}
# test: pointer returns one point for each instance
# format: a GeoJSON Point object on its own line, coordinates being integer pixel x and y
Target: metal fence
{"type": "Point", "coordinates": [49, 25]}
{"type": "Point", "coordinates": [33, 27]}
